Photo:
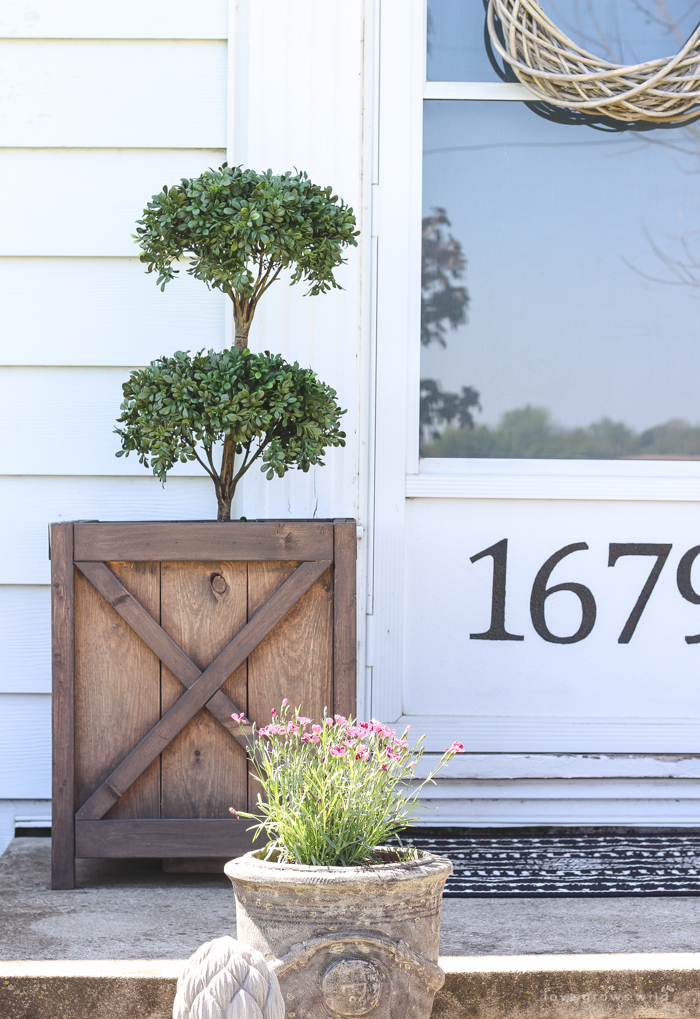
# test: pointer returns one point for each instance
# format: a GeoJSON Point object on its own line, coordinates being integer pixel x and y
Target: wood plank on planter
{"type": "Point", "coordinates": [203, 607]}
{"type": "Point", "coordinates": [111, 711]}
{"type": "Point", "coordinates": [296, 661]}
{"type": "Point", "coordinates": [167, 650]}
{"type": "Point", "coordinates": [178, 837]}
{"type": "Point", "coordinates": [63, 668]}
{"type": "Point", "coordinates": [299, 541]}
{"type": "Point", "coordinates": [344, 617]}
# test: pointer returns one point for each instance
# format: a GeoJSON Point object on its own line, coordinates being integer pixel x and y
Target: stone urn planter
{"type": "Point", "coordinates": [346, 941]}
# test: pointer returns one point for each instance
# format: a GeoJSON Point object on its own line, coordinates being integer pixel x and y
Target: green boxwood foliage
{"type": "Point", "coordinates": [260, 407]}
{"type": "Point", "coordinates": [241, 228]}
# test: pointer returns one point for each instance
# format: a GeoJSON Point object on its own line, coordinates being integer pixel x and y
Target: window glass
{"type": "Point", "coordinates": [625, 31]}
{"type": "Point", "coordinates": [561, 287]}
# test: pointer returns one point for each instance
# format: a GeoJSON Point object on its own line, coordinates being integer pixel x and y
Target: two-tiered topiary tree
{"type": "Point", "coordinates": [239, 229]}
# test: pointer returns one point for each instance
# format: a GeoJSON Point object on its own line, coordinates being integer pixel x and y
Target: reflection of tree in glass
{"type": "Point", "coordinates": [443, 263]}
{"type": "Point", "coordinates": [437, 407]}
{"type": "Point", "coordinates": [529, 433]}
{"type": "Point", "coordinates": [443, 306]}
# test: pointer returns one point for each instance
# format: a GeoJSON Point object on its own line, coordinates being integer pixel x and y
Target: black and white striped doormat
{"type": "Point", "coordinates": [507, 864]}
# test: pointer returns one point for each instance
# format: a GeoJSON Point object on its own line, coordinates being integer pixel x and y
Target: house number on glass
{"type": "Point", "coordinates": [540, 590]}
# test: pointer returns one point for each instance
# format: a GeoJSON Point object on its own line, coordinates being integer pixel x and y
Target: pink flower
{"type": "Point", "coordinates": [291, 727]}
{"type": "Point", "coordinates": [384, 767]}
{"type": "Point", "coordinates": [456, 748]}
{"type": "Point", "coordinates": [315, 738]}
{"type": "Point", "coordinates": [239, 718]}
{"type": "Point", "coordinates": [340, 720]}
{"type": "Point", "coordinates": [273, 712]}
{"type": "Point", "coordinates": [413, 764]}
{"type": "Point", "coordinates": [234, 812]}
{"type": "Point", "coordinates": [303, 721]}
{"type": "Point", "coordinates": [317, 728]}
{"type": "Point", "coordinates": [285, 702]}
{"type": "Point", "coordinates": [350, 743]}
{"type": "Point", "coordinates": [329, 721]}
{"type": "Point", "coordinates": [337, 751]}
{"type": "Point", "coordinates": [265, 731]}
{"type": "Point", "coordinates": [362, 753]}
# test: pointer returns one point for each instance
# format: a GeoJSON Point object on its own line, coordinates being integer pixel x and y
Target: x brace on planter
{"type": "Point", "coordinates": [202, 687]}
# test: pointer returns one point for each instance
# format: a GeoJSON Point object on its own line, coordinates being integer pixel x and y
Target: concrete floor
{"type": "Point", "coordinates": [131, 910]}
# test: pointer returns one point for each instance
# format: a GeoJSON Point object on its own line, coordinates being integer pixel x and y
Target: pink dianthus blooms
{"type": "Point", "coordinates": [317, 728]}
{"type": "Point", "coordinates": [337, 751]}
{"type": "Point", "coordinates": [456, 748]}
{"type": "Point", "coordinates": [302, 720]}
{"type": "Point", "coordinates": [362, 753]}
{"type": "Point", "coordinates": [285, 702]}
{"type": "Point", "coordinates": [340, 720]}
{"type": "Point", "coordinates": [239, 718]}
{"type": "Point", "coordinates": [273, 712]}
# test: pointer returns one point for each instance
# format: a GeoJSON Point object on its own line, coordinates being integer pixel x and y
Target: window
{"type": "Point", "coordinates": [561, 261]}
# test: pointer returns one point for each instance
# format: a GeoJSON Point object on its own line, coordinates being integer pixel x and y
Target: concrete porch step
{"type": "Point", "coordinates": [628, 986]}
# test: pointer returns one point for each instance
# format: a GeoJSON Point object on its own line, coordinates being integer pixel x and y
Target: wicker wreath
{"type": "Point", "coordinates": [559, 72]}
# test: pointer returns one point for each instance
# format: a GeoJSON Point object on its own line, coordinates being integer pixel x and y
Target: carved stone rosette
{"type": "Point", "coordinates": [346, 941]}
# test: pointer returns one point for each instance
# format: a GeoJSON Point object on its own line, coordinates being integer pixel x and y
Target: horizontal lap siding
{"type": "Point", "coordinates": [102, 311]}
{"type": "Point", "coordinates": [127, 19]}
{"type": "Point", "coordinates": [85, 94]}
{"type": "Point", "coordinates": [103, 105]}
{"type": "Point", "coordinates": [89, 131]}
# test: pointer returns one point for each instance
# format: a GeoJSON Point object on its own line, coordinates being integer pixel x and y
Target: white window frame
{"type": "Point", "coordinates": [402, 87]}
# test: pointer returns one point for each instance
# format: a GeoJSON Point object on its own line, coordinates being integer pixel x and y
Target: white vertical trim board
{"type": "Point", "coordinates": [398, 315]}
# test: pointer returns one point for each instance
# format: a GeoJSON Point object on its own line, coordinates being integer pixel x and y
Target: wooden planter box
{"type": "Point", "coordinates": [160, 632]}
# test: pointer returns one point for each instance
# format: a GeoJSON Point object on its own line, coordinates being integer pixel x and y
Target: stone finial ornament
{"type": "Point", "coordinates": [227, 979]}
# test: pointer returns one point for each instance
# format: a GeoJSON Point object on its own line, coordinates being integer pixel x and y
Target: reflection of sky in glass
{"type": "Point", "coordinates": [619, 30]}
{"type": "Point", "coordinates": [558, 225]}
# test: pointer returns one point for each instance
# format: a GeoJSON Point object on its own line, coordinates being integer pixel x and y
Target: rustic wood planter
{"type": "Point", "coordinates": [160, 632]}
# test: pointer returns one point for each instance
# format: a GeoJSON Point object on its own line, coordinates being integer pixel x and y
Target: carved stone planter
{"type": "Point", "coordinates": [346, 941]}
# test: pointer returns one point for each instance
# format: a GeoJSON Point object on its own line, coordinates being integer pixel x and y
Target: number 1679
{"type": "Point", "coordinates": [540, 591]}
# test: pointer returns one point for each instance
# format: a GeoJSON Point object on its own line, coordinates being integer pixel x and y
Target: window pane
{"type": "Point", "coordinates": [629, 31]}
{"type": "Point", "coordinates": [561, 287]}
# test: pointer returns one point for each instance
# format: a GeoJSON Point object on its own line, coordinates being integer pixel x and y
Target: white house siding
{"type": "Point", "coordinates": [100, 105]}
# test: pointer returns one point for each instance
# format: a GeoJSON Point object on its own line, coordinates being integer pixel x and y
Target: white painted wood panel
{"type": "Point", "coordinates": [25, 746]}
{"type": "Point", "coordinates": [92, 93]}
{"type": "Point", "coordinates": [641, 482]}
{"type": "Point", "coordinates": [574, 734]}
{"type": "Point", "coordinates": [564, 766]}
{"type": "Point", "coordinates": [25, 639]}
{"type": "Point", "coordinates": [638, 804]}
{"type": "Point", "coordinates": [127, 19]}
{"type": "Point", "coordinates": [102, 311]}
{"type": "Point", "coordinates": [535, 695]}
{"type": "Point", "coordinates": [85, 202]}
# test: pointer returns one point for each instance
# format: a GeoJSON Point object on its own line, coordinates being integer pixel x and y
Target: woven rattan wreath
{"type": "Point", "coordinates": [559, 72]}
